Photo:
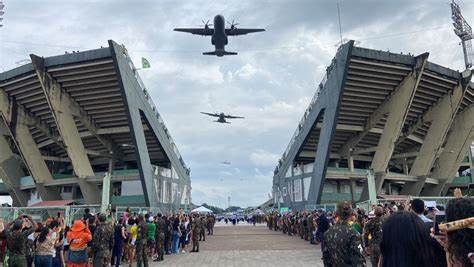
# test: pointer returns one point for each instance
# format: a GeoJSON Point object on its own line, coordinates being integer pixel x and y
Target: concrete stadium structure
{"type": "Point", "coordinates": [407, 120]}
{"type": "Point", "coordinates": [67, 120]}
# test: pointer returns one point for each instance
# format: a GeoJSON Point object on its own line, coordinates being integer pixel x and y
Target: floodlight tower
{"type": "Point", "coordinates": [464, 31]}
{"type": "Point", "coordinates": [2, 5]}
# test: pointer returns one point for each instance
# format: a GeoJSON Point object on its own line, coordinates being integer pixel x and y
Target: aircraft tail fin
{"type": "Point", "coordinates": [219, 53]}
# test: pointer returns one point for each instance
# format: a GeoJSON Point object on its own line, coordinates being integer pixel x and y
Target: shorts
{"type": "Point", "coordinates": [151, 243]}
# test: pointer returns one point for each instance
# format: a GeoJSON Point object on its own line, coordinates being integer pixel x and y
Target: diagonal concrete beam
{"type": "Point", "coordinates": [458, 142]}
{"type": "Point", "coordinates": [11, 170]}
{"type": "Point", "coordinates": [397, 109]}
{"type": "Point", "coordinates": [441, 117]}
{"type": "Point", "coordinates": [386, 106]}
{"type": "Point", "coordinates": [62, 107]}
{"type": "Point", "coordinates": [74, 108]}
{"type": "Point", "coordinates": [15, 117]}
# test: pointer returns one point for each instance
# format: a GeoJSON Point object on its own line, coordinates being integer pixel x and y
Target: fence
{"type": "Point", "coordinates": [366, 205]}
{"type": "Point", "coordinates": [70, 213]}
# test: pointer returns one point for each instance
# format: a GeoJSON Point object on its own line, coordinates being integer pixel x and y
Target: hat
{"type": "Point", "coordinates": [78, 226]}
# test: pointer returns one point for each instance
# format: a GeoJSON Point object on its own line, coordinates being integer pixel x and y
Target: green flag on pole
{"type": "Point", "coordinates": [145, 63]}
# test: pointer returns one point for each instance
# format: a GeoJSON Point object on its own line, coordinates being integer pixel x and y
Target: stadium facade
{"type": "Point", "coordinates": [68, 120]}
{"type": "Point", "coordinates": [396, 122]}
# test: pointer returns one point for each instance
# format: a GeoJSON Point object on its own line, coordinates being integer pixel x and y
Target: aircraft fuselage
{"type": "Point", "coordinates": [219, 38]}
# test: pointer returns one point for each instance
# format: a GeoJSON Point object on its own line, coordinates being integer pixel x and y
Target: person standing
{"type": "Point", "coordinates": [102, 242]}
{"type": "Point", "coordinates": [17, 238]}
{"type": "Point", "coordinates": [343, 245]}
{"type": "Point", "coordinates": [175, 235]}
{"type": "Point", "coordinates": [160, 237]}
{"type": "Point", "coordinates": [142, 257]}
{"type": "Point", "coordinates": [119, 238]}
{"type": "Point", "coordinates": [195, 232]}
{"type": "Point", "coordinates": [44, 247]}
{"type": "Point", "coordinates": [202, 232]}
{"type": "Point", "coordinates": [168, 233]}
{"type": "Point", "coordinates": [405, 242]}
{"type": "Point", "coordinates": [77, 238]}
{"type": "Point", "coordinates": [150, 234]}
{"type": "Point", "coordinates": [373, 236]}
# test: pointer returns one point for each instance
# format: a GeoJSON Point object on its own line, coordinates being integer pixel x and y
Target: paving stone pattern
{"type": "Point", "coordinates": [248, 245]}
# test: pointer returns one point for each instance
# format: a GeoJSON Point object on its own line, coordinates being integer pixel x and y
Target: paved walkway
{"type": "Point", "coordinates": [247, 245]}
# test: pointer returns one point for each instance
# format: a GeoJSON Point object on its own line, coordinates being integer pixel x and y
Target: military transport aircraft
{"type": "Point", "coordinates": [221, 117]}
{"type": "Point", "coordinates": [219, 34]}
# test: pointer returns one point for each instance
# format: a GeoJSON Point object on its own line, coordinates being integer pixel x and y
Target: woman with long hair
{"type": "Point", "coordinates": [459, 245]}
{"type": "Point", "coordinates": [405, 242]}
{"type": "Point", "coordinates": [44, 247]}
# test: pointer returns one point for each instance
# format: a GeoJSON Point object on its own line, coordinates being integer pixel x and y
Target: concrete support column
{"type": "Point", "coordinates": [144, 162]}
{"type": "Point", "coordinates": [33, 158]}
{"type": "Point", "coordinates": [441, 117]}
{"type": "Point", "coordinates": [11, 170]}
{"type": "Point", "coordinates": [458, 142]}
{"type": "Point", "coordinates": [406, 170]}
{"type": "Point", "coordinates": [350, 164]}
{"type": "Point", "coordinates": [398, 109]}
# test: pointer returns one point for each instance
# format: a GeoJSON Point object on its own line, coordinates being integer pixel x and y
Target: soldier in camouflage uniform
{"type": "Point", "coordinates": [202, 233]}
{"type": "Point", "coordinates": [102, 242]}
{"type": "Point", "coordinates": [373, 236]}
{"type": "Point", "coordinates": [195, 229]}
{"type": "Point", "coordinates": [142, 239]}
{"type": "Point", "coordinates": [343, 245]}
{"type": "Point", "coordinates": [210, 224]}
{"type": "Point", "coordinates": [160, 237]}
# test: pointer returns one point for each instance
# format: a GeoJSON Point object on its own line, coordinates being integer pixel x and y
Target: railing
{"type": "Point", "coordinates": [155, 110]}
{"type": "Point", "coordinates": [302, 121]}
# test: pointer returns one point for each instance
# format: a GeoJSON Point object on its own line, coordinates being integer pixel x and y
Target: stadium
{"type": "Point", "coordinates": [82, 125]}
{"type": "Point", "coordinates": [379, 124]}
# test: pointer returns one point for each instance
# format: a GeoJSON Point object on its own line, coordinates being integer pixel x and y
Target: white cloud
{"type": "Point", "coordinates": [246, 71]}
{"type": "Point", "coordinates": [260, 157]}
{"type": "Point", "coordinates": [270, 81]}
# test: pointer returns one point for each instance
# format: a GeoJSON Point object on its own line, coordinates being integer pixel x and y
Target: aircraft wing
{"type": "Point", "coordinates": [198, 31]}
{"type": "Point", "coordinates": [210, 114]}
{"type": "Point", "coordinates": [233, 117]}
{"type": "Point", "coordinates": [239, 31]}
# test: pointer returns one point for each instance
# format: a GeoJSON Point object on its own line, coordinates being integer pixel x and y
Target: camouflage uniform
{"type": "Point", "coordinates": [196, 231]}
{"type": "Point", "coordinates": [142, 239]}
{"type": "Point", "coordinates": [102, 243]}
{"type": "Point", "coordinates": [343, 246]}
{"type": "Point", "coordinates": [210, 225]}
{"type": "Point", "coordinates": [202, 233]}
{"type": "Point", "coordinates": [160, 238]}
{"type": "Point", "coordinates": [372, 239]}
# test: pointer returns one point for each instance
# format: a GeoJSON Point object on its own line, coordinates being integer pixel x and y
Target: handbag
{"type": "Point", "coordinates": [77, 256]}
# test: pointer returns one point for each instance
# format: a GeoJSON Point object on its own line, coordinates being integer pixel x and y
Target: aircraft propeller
{"type": "Point", "coordinates": [233, 24]}
{"type": "Point", "coordinates": [206, 24]}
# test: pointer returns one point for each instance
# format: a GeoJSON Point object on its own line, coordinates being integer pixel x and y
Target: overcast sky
{"type": "Point", "coordinates": [270, 82]}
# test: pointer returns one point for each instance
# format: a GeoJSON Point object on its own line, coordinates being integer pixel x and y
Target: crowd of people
{"type": "Point", "coordinates": [390, 235]}
{"type": "Point", "coordinates": [100, 240]}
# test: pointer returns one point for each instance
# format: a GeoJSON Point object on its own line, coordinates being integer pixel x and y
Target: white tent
{"type": "Point", "coordinates": [201, 210]}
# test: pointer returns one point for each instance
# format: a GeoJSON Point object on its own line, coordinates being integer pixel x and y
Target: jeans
{"type": "Point", "coordinates": [43, 261]}
{"type": "Point", "coordinates": [175, 242]}
{"type": "Point", "coordinates": [57, 261]}
{"type": "Point", "coordinates": [116, 255]}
